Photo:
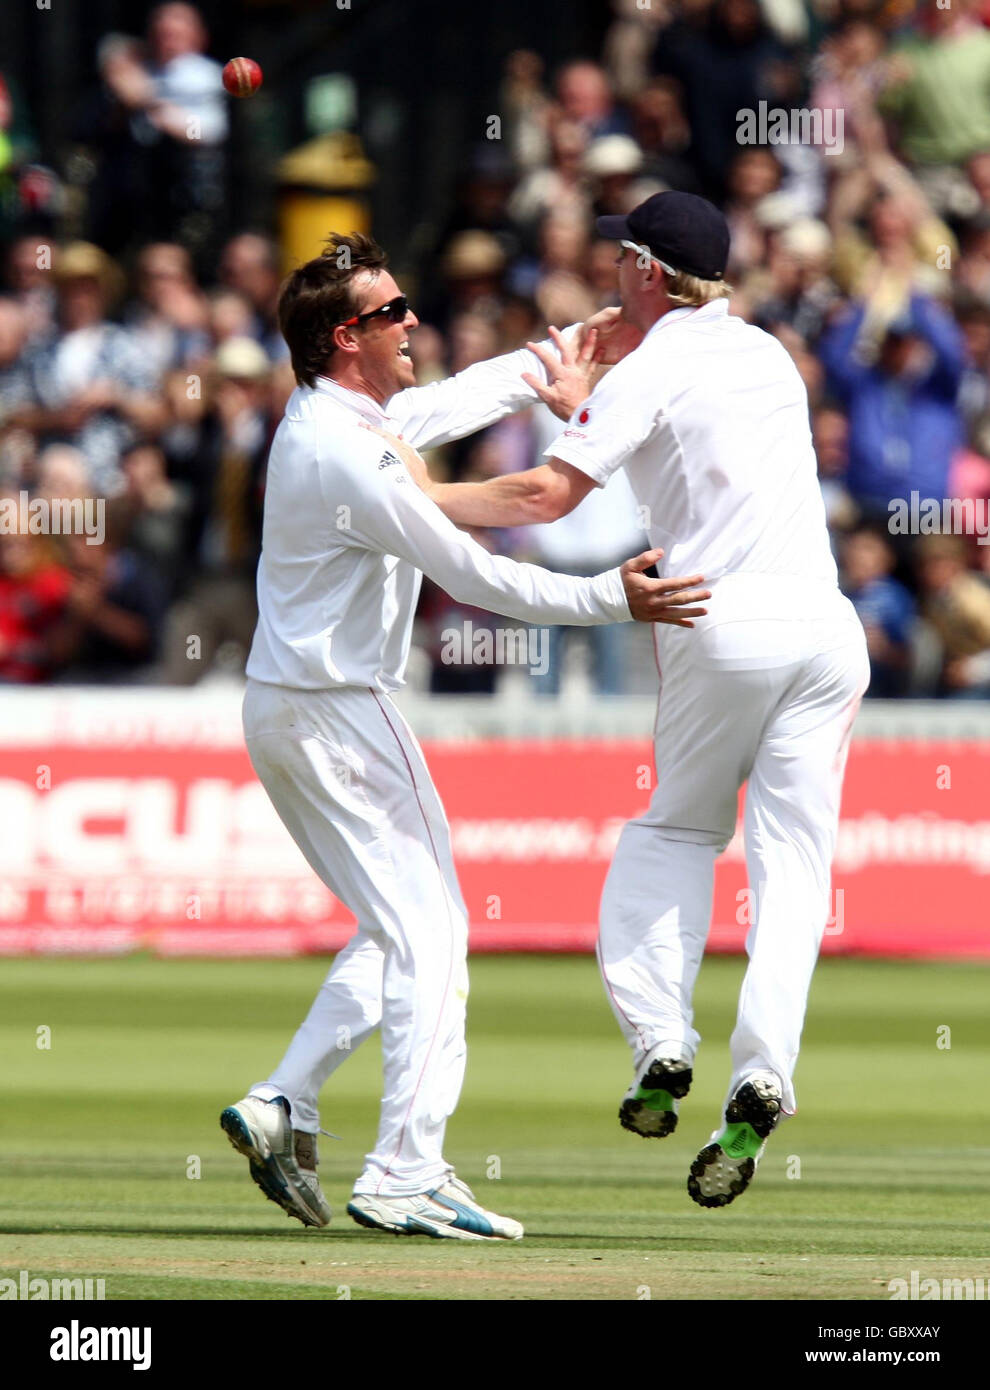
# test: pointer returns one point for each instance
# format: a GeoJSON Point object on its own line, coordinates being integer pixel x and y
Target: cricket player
{"type": "Point", "coordinates": [709, 418]}
{"type": "Point", "coordinates": [347, 535]}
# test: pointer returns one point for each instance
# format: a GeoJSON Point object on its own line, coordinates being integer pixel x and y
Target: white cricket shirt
{"type": "Point", "coordinates": [709, 417]}
{"type": "Point", "coordinates": [347, 534]}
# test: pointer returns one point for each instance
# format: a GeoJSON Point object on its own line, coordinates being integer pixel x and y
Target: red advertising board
{"type": "Point", "coordinates": [157, 835]}
{"type": "Point", "coordinates": [534, 825]}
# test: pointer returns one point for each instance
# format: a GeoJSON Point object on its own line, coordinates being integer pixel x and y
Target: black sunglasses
{"type": "Point", "coordinates": [395, 311]}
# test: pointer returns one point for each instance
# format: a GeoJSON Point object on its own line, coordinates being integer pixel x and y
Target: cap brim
{"type": "Point", "coordinates": [615, 227]}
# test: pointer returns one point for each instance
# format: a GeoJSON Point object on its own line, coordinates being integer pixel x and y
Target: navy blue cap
{"type": "Point", "coordinates": [686, 231]}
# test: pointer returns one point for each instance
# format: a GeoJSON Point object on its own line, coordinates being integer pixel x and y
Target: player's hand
{"type": "Point", "coordinates": [415, 463]}
{"type": "Point", "coordinates": [661, 600]}
{"type": "Point", "coordinates": [615, 337]}
{"type": "Point", "coordinates": [572, 374]}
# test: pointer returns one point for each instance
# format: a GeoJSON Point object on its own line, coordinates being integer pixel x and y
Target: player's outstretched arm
{"type": "Point", "coordinates": [539, 494]}
{"type": "Point", "coordinates": [487, 391]}
{"type": "Point", "coordinates": [388, 513]}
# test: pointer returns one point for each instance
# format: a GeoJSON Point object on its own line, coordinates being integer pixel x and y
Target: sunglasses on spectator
{"type": "Point", "coordinates": [644, 251]}
{"type": "Point", "coordinates": [395, 311]}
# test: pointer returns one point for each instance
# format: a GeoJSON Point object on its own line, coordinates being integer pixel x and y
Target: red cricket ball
{"type": "Point", "coordinates": [242, 77]}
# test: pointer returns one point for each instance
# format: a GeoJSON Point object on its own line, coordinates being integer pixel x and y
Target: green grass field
{"type": "Point", "coordinates": [892, 1141]}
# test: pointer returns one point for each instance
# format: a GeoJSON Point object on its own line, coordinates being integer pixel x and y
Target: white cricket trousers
{"type": "Point", "coordinates": [348, 779]}
{"type": "Point", "coordinates": [767, 700]}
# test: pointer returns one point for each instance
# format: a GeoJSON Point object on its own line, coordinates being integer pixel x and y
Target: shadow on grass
{"type": "Point", "coordinates": [577, 1240]}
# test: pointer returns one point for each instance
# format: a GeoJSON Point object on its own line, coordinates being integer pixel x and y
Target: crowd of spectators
{"type": "Point", "coordinates": [145, 366]}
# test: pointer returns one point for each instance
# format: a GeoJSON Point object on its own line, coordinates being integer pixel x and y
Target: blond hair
{"type": "Point", "coordinates": [683, 288]}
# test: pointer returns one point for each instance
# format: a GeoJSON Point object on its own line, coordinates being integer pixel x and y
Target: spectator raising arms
{"type": "Point", "coordinates": [177, 115]}
{"type": "Point", "coordinates": [904, 423]}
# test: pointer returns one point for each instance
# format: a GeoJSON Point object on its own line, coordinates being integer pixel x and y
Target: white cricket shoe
{"type": "Point", "coordinates": [725, 1167]}
{"type": "Point", "coordinates": [649, 1107]}
{"type": "Point", "coordinates": [450, 1211]}
{"type": "Point", "coordinates": [282, 1160]}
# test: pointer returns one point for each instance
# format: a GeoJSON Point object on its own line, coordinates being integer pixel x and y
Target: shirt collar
{"type": "Point", "coordinates": [355, 401]}
{"type": "Point", "coordinates": [717, 308]}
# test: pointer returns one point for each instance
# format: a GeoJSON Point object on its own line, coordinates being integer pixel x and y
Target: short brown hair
{"type": "Point", "coordinates": [319, 295]}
